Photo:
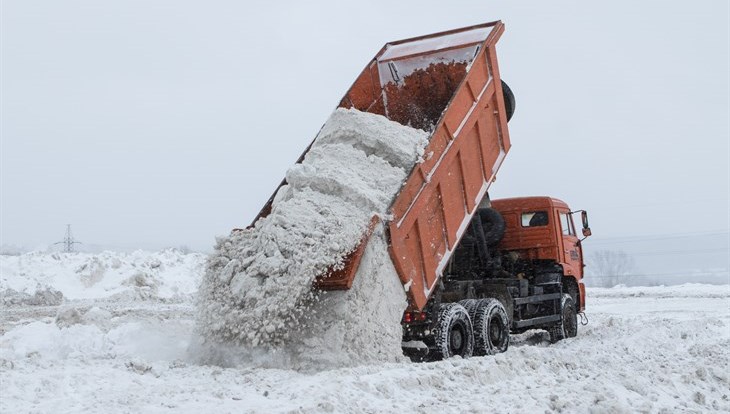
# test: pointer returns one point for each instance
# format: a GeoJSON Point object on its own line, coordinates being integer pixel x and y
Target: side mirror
{"type": "Point", "coordinates": [586, 227]}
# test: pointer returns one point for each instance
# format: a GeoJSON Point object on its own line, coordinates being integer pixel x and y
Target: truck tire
{"type": "Point", "coordinates": [493, 225]}
{"type": "Point", "coordinates": [568, 326]}
{"type": "Point", "coordinates": [470, 305]}
{"type": "Point", "coordinates": [491, 327]}
{"type": "Point", "coordinates": [570, 286]}
{"type": "Point", "coordinates": [509, 100]}
{"type": "Point", "coordinates": [453, 334]}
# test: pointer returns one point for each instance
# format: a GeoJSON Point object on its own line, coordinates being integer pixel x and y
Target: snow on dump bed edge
{"type": "Point", "coordinates": [257, 287]}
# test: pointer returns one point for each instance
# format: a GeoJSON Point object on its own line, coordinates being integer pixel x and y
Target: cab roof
{"type": "Point", "coordinates": [528, 203]}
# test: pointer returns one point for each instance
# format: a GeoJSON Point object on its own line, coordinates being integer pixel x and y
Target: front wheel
{"type": "Point", "coordinates": [454, 334]}
{"type": "Point", "coordinates": [568, 326]}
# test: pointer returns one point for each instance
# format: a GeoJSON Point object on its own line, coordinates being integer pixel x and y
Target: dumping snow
{"type": "Point", "coordinates": [257, 290]}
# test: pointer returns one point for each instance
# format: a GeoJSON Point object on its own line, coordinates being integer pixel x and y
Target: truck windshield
{"type": "Point", "coordinates": [534, 219]}
{"type": "Point", "coordinates": [566, 222]}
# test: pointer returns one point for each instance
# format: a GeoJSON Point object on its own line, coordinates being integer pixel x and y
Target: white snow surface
{"type": "Point", "coordinates": [658, 349]}
{"type": "Point", "coordinates": [166, 274]}
{"type": "Point", "coordinates": [257, 296]}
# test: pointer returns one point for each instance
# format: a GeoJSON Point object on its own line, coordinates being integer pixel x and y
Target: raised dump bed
{"type": "Point", "coordinates": [447, 84]}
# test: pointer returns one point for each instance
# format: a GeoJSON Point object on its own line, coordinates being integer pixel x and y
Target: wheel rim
{"type": "Point", "coordinates": [456, 339]}
{"type": "Point", "coordinates": [570, 322]}
{"type": "Point", "coordinates": [495, 330]}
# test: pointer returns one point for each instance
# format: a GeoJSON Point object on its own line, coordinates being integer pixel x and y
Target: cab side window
{"type": "Point", "coordinates": [566, 222]}
{"type": "Point", "coordinates": [535, 219]}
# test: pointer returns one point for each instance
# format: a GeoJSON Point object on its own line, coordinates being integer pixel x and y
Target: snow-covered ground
{"type": "Point", "coordinates": [167, 274]}
{"type": "Point", "coordinates": [123, 344]}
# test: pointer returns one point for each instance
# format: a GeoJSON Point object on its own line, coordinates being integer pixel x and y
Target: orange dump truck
{"type": "Point", "coordinates": [473, 272]}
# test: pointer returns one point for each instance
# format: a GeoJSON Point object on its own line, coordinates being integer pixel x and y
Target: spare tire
{"type": "Point", "coordinates": [493, 225]}
{"type": "Point", "coordinates": [509, 100]}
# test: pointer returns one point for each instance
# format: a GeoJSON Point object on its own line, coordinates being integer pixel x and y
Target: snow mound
{"type": "Point", "coordinates": [46, 296]}
{"type": "Point", "coordinates": [687, 290]}
{"type": "Point", "coordinates": [89, 336]}
{"type": "Point", "coordinates": [40, 278]}
{"type": "Point", "coordinates": [257, 287]}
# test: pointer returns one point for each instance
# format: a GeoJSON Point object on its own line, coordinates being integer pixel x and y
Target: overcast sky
{"type": "Point", "coordinates": [166, 123]}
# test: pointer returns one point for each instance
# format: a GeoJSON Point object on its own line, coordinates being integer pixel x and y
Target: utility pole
{"type": "Point", "coordinates": [68, 241]}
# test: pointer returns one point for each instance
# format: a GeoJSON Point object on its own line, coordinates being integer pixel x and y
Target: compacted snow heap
{"type": "Point", "coordinates": [45, 278]}
{"type": "Point", "coordinates": [256, 299]}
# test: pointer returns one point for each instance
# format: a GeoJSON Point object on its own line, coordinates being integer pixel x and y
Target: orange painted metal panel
{"type": "Point", "coordinates": [454, 202]}
{"type": "Point", "coordinates": [343, 277]}
{"type": "Point", "coordinates": [448, 84]}
{"type": "Point", "coordinates": [365, 93]}
{"type": "Point", "coordinates": [471, 164]}
{"type": "Point", "coordinates": [437, 145]}
{"type": "Point", "coordinates": [531, 242]}
{"type": "Point", "coordinates": [462, 172]}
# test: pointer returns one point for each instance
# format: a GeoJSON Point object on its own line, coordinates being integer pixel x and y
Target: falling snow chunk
{"type": "Point", "coordinates": [257, 291]}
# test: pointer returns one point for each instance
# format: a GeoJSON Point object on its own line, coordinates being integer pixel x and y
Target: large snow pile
{"type": "Point", "coordinates": [39, 278]}
{"type": "Point", "coordinates": [257, 287]}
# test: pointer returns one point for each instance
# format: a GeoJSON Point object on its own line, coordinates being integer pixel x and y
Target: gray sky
{"type": "Point", "coordinates": [166, 123]}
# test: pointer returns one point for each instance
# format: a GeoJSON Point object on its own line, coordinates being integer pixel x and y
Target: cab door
{"type": "Point", "coordinates": [572, 255]}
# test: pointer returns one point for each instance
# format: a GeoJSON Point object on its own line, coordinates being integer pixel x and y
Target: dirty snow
{"type": "Point", "coordinates": [256, 292]}
{"type": "Point", "coordinates": [658, 349]}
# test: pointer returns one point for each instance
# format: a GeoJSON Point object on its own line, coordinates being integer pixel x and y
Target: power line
{"type": "Point", "coordinates": [68, 241]}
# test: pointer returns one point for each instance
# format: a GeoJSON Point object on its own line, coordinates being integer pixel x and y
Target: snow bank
{"type": "Point", "coordinates": [38, 277]}
{"type": "Point", "coordinates": [46, 296]}
{"type": "Point", "coordinates": [96, 334]}
{"type": "Point", "coordinates": [672, 356]}
{"type": "Point", "coordinates": [257, 288]}
{"type": "Point", "coordinates": [676, 291]}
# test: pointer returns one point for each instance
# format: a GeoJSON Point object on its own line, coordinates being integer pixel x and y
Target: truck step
{"type": "Point", "coordinates": [535, 321]}
{"type": "Point", "coordinates": [537, 298]}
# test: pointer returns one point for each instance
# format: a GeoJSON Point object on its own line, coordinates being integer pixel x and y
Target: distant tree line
{"type": "Point", "coordinates": [608, 268]}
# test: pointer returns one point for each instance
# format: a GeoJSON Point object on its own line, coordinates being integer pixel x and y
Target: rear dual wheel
{"type": "Point", "coordinates": [491, 327]}
{"type": "Point", "coordinates": [454, 334]}
{"type": "Point", "coordinates": [471, 327]}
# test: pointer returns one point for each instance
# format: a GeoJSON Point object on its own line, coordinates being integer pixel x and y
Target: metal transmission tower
{"type": "Point", "coordinates": [68, 241]}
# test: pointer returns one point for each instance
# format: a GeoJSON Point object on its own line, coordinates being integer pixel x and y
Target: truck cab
{"type": "Point", "coordinates": [541, 230]}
